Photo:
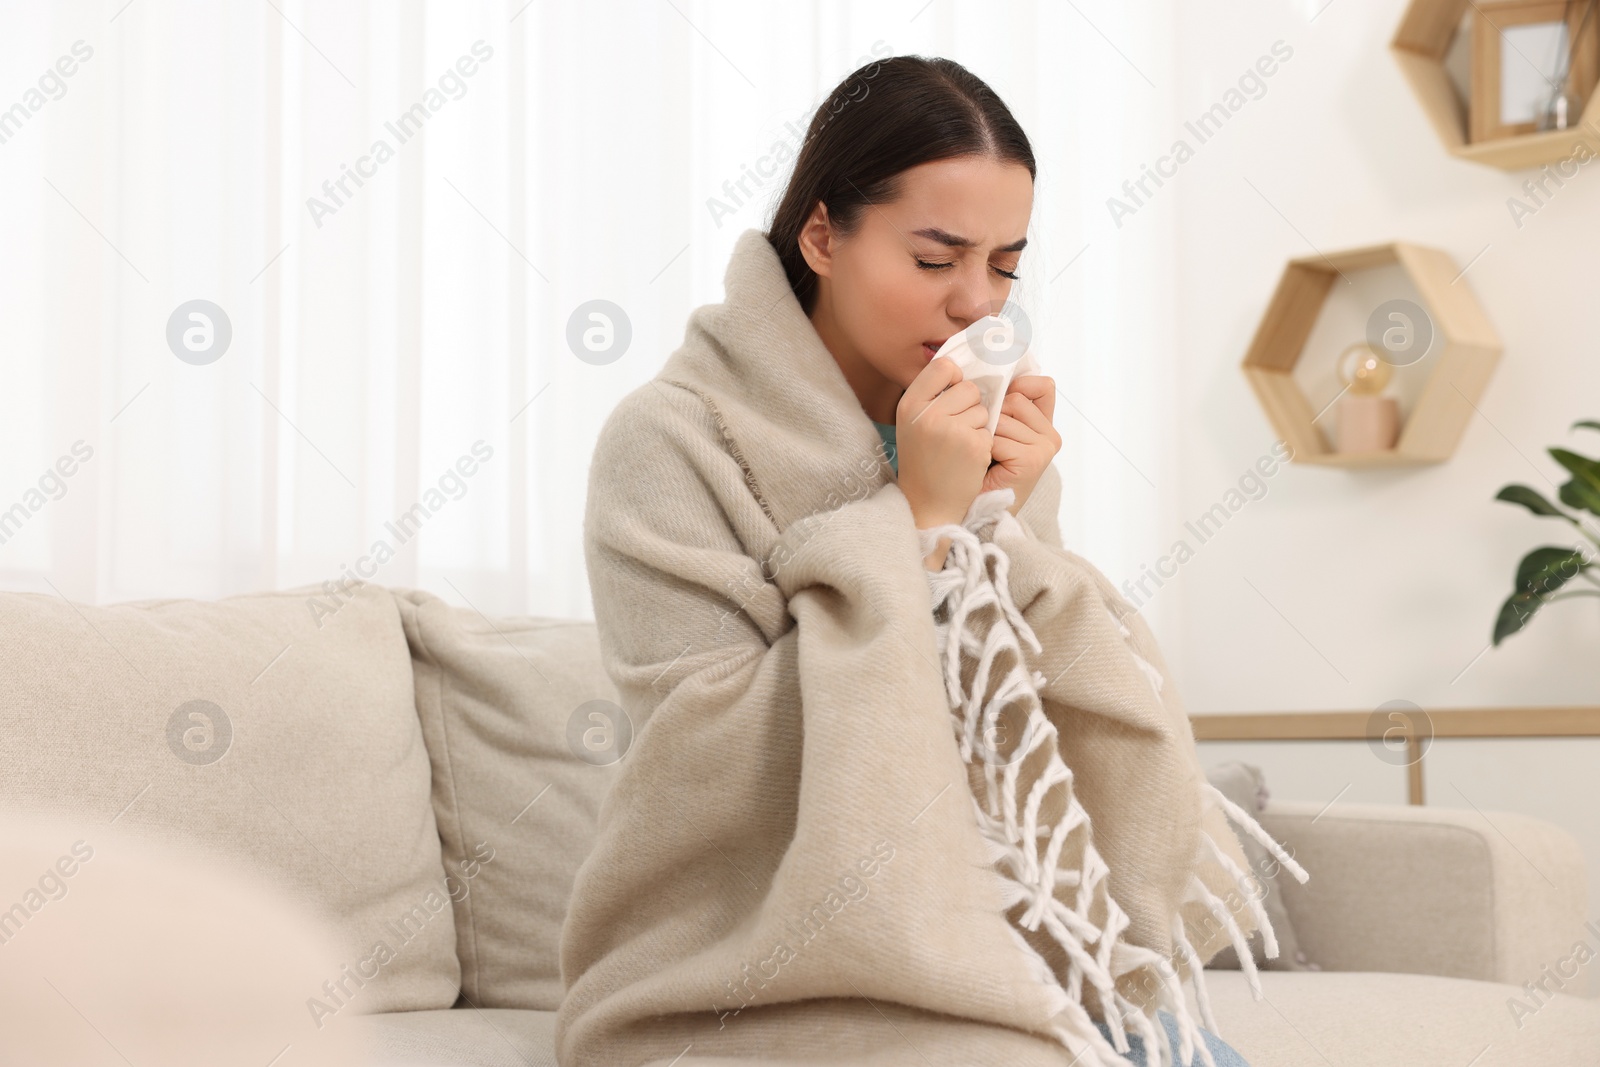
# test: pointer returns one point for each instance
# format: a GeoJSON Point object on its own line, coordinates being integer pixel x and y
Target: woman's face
{"type": "Point", "coordinates": [917, 271]}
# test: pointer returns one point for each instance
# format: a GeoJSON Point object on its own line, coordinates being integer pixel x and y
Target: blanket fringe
{"type": "Point", "coordinates": [1012, 837]}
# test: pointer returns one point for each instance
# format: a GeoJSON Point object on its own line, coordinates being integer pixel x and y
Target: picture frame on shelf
{"type": "Point", "coordinates": [1522, 50]}
{"type": "Point", "coordinates": [1434, 48]}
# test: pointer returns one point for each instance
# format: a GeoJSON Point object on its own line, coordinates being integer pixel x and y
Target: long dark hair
{"type": "Point", "coordinates": [883, 118]}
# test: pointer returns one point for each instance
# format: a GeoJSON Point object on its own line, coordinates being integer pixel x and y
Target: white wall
{"type": "Point", "coordinates": [1345, 589]}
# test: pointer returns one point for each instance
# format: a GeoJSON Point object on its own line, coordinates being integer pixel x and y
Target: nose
{"type": "Point", "coordinates": [969, 297]}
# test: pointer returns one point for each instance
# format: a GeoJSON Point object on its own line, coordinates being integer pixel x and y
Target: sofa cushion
{"type": "Point", "coordinates": [1307, 1019]}
{"type": "Point", "coordinates": [1490, 895]}
{"type": "Point", "coordinates": [252, 726]}
{"type": "Point", "coordinates": [507, 708]}
{"type": "Point", "coordinates": [465, 1037]}
{"type": "Point", "coordinates": [1379, 1019]}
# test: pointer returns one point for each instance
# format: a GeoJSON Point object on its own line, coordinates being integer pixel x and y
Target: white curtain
{"type": "Point", "coordinates": [399, 374]}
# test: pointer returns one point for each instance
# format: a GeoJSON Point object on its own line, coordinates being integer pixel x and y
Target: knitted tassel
{"type": "Point", "coordinates": [1196, 891]}
{"type": "Point", "coordinates": [1027, 855]}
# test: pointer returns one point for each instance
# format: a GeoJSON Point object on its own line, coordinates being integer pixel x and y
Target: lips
{"type": "Point", "coordinates": [931, 348]}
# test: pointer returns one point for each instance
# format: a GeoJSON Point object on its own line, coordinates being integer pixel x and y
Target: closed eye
{"type": "Point", "coordinates": [925, 265]}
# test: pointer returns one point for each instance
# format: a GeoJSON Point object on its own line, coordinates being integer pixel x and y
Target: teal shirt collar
{"type": "Point", "coordinates": [886, 431]}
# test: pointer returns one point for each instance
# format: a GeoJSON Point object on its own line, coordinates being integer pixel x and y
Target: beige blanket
{"type": "Point", "coordinates": [854, 825]}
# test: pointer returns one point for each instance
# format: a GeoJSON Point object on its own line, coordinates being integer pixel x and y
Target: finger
{"type": "Point", "coordinates": [1005, 468]}
{"type": "Point", "coordinates": [1008, 451]}
{"type": "Point", "coordinates": [944, 391]}
{"type": "Point", "coordinates": [928, 384]}
{"type": "Point", "coordinates": [961, 400]}
{"type": "Point", "coordinates": [1014, 433]}
{"type": "Point", "coordinates": [1026, 412]}
{"type": "Point", "coordinates": [932, 380]}
{"type": "Point", "coordinates": [1039, 388]}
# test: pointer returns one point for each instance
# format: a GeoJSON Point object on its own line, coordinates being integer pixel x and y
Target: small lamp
{"type": "Point", "coordinates": [1368, 422]}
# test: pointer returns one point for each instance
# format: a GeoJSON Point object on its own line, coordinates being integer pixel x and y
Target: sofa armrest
{"type": "Point", "coordinates": [1494, 896]}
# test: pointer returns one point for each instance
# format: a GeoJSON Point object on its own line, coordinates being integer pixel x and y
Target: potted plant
{"type": "Point", "coordinates": [1547, 568]}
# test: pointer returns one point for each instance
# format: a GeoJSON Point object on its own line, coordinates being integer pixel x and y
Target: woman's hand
{"type": "Point", "coordinates": [1025, 441]}
{"type": "Point", "coordinates": [944, 445]}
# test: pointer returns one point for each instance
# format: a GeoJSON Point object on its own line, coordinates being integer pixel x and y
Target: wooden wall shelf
{"type": "Point", "coordinates": [1420, 45]}
{"type": "Point", "coordinates": [1465, 346]}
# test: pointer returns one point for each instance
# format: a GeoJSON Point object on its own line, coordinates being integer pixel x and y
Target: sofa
{"type": "Point", "coordinates": [423, 780]}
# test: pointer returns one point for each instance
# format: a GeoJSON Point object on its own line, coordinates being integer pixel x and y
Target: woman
{"type": "Point", "coordinates": [795, 864]}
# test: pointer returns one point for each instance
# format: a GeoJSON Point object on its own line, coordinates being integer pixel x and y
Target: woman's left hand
{"type": "Point", "coordinates": [1024, 440]}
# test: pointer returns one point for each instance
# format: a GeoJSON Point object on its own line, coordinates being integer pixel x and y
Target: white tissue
{"type": "Point", "coordinates": [992, 334]}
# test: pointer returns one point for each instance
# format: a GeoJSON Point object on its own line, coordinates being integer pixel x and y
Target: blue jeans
{"type": "Point", "coordinates": [1223, 1053]}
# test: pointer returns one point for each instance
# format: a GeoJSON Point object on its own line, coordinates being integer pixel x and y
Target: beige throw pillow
{"type": "Point", "coordinates": [523, 726]}
{"type": "Point", "coordinates": [244, 727]}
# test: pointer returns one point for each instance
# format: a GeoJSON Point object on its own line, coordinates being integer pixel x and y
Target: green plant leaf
{"type": "Point", "coordinates": [1530, 499]}
{"type": "Point", "coordinates": [1583, 491]}
{"type": "Point", "coordinates": [1541, 573]}
{"type": "Point", "coordinates": [1514, 615]}
{"type": "Point", "coordinates": [1548, 568]}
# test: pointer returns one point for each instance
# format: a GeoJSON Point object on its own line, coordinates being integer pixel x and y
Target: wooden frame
{"type": "Point", "coordinates": [1356, 726]}
{"type": "Point", "coordinates": [1419, 47]}
{"type": "Point", "coordinates": [1490, 20]}
{"type": "Point", "coordinates": [1469, 348]}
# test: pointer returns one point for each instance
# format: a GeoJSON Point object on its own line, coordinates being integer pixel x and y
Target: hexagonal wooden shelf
{"type": "Point", "coordinates": [1465, 349]}
{"type": "Point", "coordinates": [1420, 45]}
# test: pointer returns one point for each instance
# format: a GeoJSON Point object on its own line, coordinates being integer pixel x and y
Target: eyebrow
{"type": "Point", "coordinates": [933, 233]}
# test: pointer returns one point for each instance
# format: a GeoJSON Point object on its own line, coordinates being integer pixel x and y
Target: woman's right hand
{"type": "Point", "coordinates": [944, 445]}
